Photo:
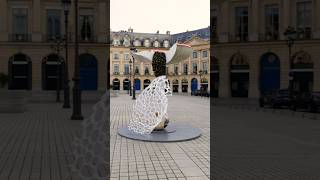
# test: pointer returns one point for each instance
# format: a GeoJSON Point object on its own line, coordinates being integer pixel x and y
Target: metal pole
{"type": "Point", "coordinates": [58, 71]}
{"type": "Point", "coordinates": [76, 114]}
{"type": "Point", "coordinates": [130, 87]}
{"type": "Point", "coordinates": [66, 102]}
{"type": "Point", "coordinates": [134, 82]}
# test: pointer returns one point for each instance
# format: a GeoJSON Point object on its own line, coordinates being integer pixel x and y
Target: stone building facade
{"type": "Point", "coordinates": [186, 76]}
{"type": "Point", "coordinates": [251, 52]}
{"type": "Point", "coordinates": [28, 52]}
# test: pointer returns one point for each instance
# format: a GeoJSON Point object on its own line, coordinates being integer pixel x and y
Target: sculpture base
{"type": "Point", "coordinates": [172, 133]}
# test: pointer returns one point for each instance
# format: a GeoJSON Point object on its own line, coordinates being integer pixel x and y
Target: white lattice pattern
{"type": "Point", "coordinates": [150, 107]}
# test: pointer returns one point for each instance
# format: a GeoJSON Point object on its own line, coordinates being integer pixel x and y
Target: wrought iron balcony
{"type": "Point", "coordinates": [17, 37]}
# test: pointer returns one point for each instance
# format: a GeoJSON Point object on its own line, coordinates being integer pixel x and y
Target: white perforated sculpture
{"type": "Point", "coordinates": [150, 108]}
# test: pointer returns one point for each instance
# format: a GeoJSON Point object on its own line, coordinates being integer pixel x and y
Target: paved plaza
{"type": "Point", "coordinates": [255, 143]}
{"type": "Point", "coordinates": [36, 144]}
{"type": "Point", "coordinates": [151, 160]}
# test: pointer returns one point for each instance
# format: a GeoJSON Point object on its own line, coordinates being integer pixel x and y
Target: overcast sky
{"type": "Point", "coordinates": [163, 15]}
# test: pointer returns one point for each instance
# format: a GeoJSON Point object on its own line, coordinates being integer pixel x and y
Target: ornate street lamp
{"type": "Point", "coordinates": [56, 47]}
{"type": "Point", "coordinates": [133, 50]}
{"type": "Point", "coordinates": [291, 36]}
{"type": "Point", "coordinates": [130, 92]}
{"type": "Point", "coordinates": [66, 8]}
{"type": "Point", "coordinates": [201, 74]}
{"type": "Point", "coordinates": [76, 113]}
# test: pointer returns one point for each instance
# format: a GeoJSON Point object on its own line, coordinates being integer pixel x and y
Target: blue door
{"type": "Point", "coordinates": [88, 72]}
{"type": "Point", "coordinates": [194, 84]}
{"type": "Point", "coordinates": [270, 72]}
{"type": "Point", "coordinates": [137, 84]}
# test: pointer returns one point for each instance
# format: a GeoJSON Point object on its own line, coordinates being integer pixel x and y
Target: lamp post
{"type": "Point", "coordinates": [56, 46]}
{"type": "Point", "coordinates": [291, 36]}
{"type": "Point", "coordinates": [66, 7]}
{"type": "Point", "coordinates": [130, 91]}
{"type": "Point", "coordinates": [133, 50]}
{"type": "Point", "coordinates": [76, 113]}
{"type": "Point", "coordinates": [201, 74]}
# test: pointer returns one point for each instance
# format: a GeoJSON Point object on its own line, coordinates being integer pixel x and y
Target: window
{"type": "Point", "coordinates": [195, 54]}
{"type": "Point", "coordinates": [86, 24]}
{"type": "Point", "coordinates": [176, 69]}
{"type": "Point", "coordinates": [271, 22]}
{"type": "Point", "coordinates": [241, 23]}
{"type": "Point", "coordinates": [136, 71]}
{"type": "Point", "coordinates": [304, 18]}
{"type": "Point", "coordinates": [115, 56]}
{"type": "Point", "coordinates": [116, 68]}
{"type": "Point", "coordinates": [185, 69]}
{"type": "Point", "coordinates": [204, 54]}
{"type": "Point", "coordinates": [126, 69]}
{"type": "Point", "coordinates": [126, 56]}
{"type": "Point", "coordinates": [53, 23]}
{"type": "Point", "coordinates": [194, 67]}
{"type": "Point", "coordinates": [205, 67]}
{"type": "Point", "coordinates": [146, 70]}
{"type": "Point", "coordinates": [20, 24]}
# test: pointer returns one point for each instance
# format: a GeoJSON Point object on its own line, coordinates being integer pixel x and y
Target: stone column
{"type": "Point", "coordinates": [3, 20]}
{"type": "Point", "coordinates": [285, 20]}
{"type": "Point", "coordinates": [224, 82]}
{"type": "Point", "coordinates": [316, 72]}
{"type": "Point", "coordinates": [102, 24]}
{"type": "Point", "coordinates": [36, 21]}
{"type": "Point", "coordinates": [254, 78]}
{"type": "Point", "coordinates": [316, 17]}
{"type": "Point", "coordinates": [285, 68]}
{"type": "Point", "coordinates": [254, 20]}
{"type": "Point", "coordinates": [223, 19]}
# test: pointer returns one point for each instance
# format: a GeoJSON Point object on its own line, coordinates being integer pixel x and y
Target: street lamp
{"type": "Point", "coordinates": [201, 74]}
{"type": "Point", "coordinates": [130, 77]}
{"type": "Point", "coordinates": [133, 50]}
{"type": "Point", "coordinates": [76, 113]}
{"type": "Point", "coordinates": [56, 46]}
{"type": "Point", "coordinates": [66, 7]}
{"type": "Point", "coordinates": [291, 36]}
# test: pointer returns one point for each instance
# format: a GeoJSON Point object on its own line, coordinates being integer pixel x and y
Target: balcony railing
{"type": "Point", "coordinates": [238, 37]}
{"type": "Point", "coordinates": [116, 73]}
{"type": "Point", "coordinates": [268, 37]}
{"type": "Point", "coordinates": [20, 37]}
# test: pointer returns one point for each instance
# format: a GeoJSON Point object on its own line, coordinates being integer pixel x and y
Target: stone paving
{"type": "Point", "coordinates": [36, 144]}
{"type": "Point", "coordinates": [131, 159]}
{"type": "Point", "coordinates": [264, 144]}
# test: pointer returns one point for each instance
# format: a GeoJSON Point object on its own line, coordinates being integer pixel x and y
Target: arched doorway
{"type": "Point", "coordinates": [204, 84]}
{"type": "Point", "coordinates": [20, 72]}
{"type": "Point", "coordinates": [52, 72]}
{"type": "Point", "coordinates": [239, 75]}
{"type": "Point", "coordinates": [126, 84]}
{"type": "Point", "coordinates": [137, 84]}
{"type": "Point", "coordinates": [215, 91]}
{"type": "Point", "coordinates": [269, 72]}
{"type": "Point", "coordinates": [88, 72]}
{"type": "Point", "coordinates": [302, 72]}
{"type": "Point", "coordinates": [115, 84]}
{"type": "Point", "coordinates": [146, 83]}
{"type": "Point", "coordinates": [175, 85]}
{"type": "Point", "coordinates": [184, 85]}
{"type": "Point", "coordinates": [194, 84]}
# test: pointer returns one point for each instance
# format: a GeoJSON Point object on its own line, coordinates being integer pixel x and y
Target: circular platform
{"type": "Point", "coordinates": [172, 133]}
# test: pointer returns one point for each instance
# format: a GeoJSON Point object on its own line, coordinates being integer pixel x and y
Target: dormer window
{"type": "Point", "coordinates": [156, 43]}
{"type": "Point", "coordinates": [137, 42]}
{"type": "Point", "coordinates": [166, 44]}
{"type": "Point", "coordinates": [126, 41]}
{"type": "Point", "coordinates": [146, 43]}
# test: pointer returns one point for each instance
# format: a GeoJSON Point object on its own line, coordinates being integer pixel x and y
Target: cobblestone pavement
{"type": "Point", "coordinates": [132, 159]}
{"type": "Point", "coordinates": [264, 144]}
